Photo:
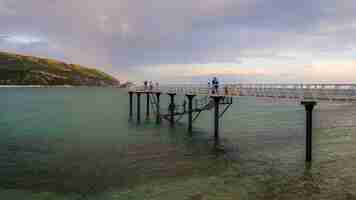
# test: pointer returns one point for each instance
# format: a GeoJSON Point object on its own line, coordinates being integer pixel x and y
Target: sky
{"type": "Point", "coordinates": [255, 41]}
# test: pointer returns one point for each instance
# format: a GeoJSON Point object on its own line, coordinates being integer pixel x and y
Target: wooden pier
{"type": "Point", "coordinates": [176, 112]}
{"type": "Point", "coordinates": [202, 99]}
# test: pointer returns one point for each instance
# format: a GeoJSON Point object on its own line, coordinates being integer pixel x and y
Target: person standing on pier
{"type": "Point", "coordinates": [150, 86]}
{"type": "Point", "coordinates": [213, 82]}
{"type": "Point", "coordinates": [226, 90]}
{"type": "Point", "coordinates": [157, 86]}
{"type": "Point", "coordinates": [209, 86]}
{"type": "Point", "coordinates": [145, 85]}
{"type": "Point", "coordinates": [215, 85]}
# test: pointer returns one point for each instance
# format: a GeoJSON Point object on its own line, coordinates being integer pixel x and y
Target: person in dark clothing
{"type": "Point", "coordinates": [215, 85]}
{"type": "Point", "coordinates": [213, 82]}
{"type": "Point", "coordinates": [145, 85]}
{"type": "Point", "coordinates": [150, 85]}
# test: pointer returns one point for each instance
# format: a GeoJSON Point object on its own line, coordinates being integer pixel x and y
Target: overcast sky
{"type": "Point", "coordinates": [190, 40]}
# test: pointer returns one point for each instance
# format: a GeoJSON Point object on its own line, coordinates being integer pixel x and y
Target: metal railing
{"type": "Point", "coordinates": [317, 92]}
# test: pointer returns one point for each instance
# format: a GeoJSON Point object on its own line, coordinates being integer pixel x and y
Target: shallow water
{"type": "Point", "coordinates": [77, 143]}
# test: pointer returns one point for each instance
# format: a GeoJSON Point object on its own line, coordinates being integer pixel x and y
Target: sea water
{"type": "Point", "coordinates": [77, 143]}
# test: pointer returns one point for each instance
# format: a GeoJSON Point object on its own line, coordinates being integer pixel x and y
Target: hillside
{"type": "Point", "coordinates": [28, 70]}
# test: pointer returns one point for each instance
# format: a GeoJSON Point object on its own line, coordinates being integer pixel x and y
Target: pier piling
{"type": "Point", "coordinates": [309, 106]}
{"type": "Point", "coordinates": [131, 100]}
{"type": "Point", "coordinates": [147, 105]}
{"type": "Point", "coordinates": [190, 112]}
{"type": "Point", "coordinates": [171, 108]}
{"type": "Point", "coordinates": [138, 107]}
{"type": "Point", "coordinates": [158, 117]}
{"type": "Point", "coordinates": [216, 119]}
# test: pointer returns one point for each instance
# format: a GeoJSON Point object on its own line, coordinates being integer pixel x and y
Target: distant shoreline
{"type": "Point", "coordinates": [32, 86]}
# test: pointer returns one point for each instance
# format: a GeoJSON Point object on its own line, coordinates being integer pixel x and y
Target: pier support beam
{"type": "Point", "coordinates": [131, 101]}
{"type": "Point", "coordinates": [190, 112]}
{"type": "Point", "coordinates": [216, 119]}
{"type": "Point", "coordinates": [147, 106]}
{"type": "Point", "coordinates": [309, 106]}
{"type": "Point", "coordinates": [172, 107]}
{"type": "Point", "coordinates": [158, 115]}
{"type": "Point", "coordinates": [138, 107]}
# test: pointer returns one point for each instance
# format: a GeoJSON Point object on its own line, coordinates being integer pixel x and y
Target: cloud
{"type": "Point", "coordinates": [5, 10]}
{"type": "Point", "coordinates": [132, 36]}
{"type": "Point", "coordinates": [20, 39]}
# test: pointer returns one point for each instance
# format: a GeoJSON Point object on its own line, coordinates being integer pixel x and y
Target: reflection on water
{"type": "Point", "coordinates": [77, 143]}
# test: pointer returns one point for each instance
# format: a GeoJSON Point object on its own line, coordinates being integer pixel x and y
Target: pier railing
{"type": "Point", "coordinates": [316, 92]}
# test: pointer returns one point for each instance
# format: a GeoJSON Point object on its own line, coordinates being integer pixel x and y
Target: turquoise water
{"type": "Point", "coordinates": [77, 143]}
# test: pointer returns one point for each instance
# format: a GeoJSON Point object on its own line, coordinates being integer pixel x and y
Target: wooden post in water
{"type": "Point", "coordinates": [131, 110]}
{"type": "Point", "coordinates": [172, 107]}
{"type": "Point", "coordinates": [158, 117]}
{"type": "Point", "coordinates": [216, 119]}
{"type": "Point", "coordinates": [309, 106]}
{"type": "Point", "coordinates": [147, 105]}
{"type": "Point", "coordinates": [138, 107]}
{"type": "Point", "coordinates": [190, 112]}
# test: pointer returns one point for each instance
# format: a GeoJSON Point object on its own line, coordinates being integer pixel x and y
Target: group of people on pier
{"type": "Point", "coordinates": [214, 85]}
{"type": "Point", "coordinates": [148, 85]}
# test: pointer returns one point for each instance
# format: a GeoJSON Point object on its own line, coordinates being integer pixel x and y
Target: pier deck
{"type": "Point", "coordinates": [299, 92]}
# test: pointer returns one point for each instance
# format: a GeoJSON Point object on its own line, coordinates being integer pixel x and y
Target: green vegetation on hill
{"type": "Point", "coordinates": [28, 70]}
